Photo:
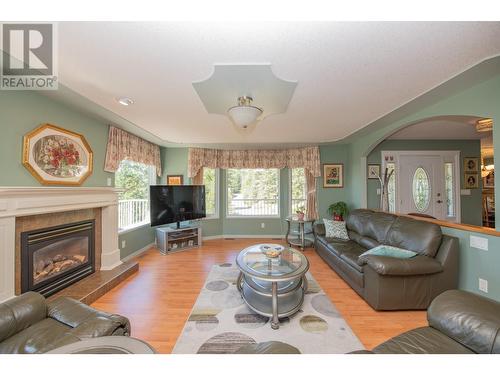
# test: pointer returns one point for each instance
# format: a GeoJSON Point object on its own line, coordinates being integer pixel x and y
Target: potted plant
{"type": "Point", "coordinates": [300, 213]}
{"type": "Point", "coordinates": [338, 210]}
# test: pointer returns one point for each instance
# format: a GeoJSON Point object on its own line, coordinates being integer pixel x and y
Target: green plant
{"type": "Point", "coordinates": [300, 210]}
{"type": "Point", "coordinates": [338, 208]}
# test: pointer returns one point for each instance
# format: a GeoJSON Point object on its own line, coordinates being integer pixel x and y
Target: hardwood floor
{"type": "Point", "coordinates": [159, 298]}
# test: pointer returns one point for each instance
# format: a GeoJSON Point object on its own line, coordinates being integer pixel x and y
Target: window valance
{"type": "Point", "coordinates": [123, 145]}
{"type": "Point", "coordinates": [306, 157]}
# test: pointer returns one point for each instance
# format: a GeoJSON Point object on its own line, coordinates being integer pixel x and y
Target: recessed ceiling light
{"type": "Point", "coordinates": [125, 101]}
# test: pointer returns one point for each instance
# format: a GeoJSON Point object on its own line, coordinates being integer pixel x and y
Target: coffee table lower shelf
{"type": "Point", "coordinates": [260, 301]}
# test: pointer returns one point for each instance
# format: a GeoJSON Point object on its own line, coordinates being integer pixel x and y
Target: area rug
{"type": "Point", "coordinates": [221, 323]}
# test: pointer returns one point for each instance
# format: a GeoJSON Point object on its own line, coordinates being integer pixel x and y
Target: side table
{"type": "Point", "coordinates": [301, 240]}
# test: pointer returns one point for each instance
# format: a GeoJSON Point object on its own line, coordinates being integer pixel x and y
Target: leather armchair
{"type": "Point", "coordinates": [459, 323]}
{"type": "Point", "coordinates": [30, 324]}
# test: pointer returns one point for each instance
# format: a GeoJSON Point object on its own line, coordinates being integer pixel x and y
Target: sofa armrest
{"type": "Point", "coordinates": [74, 314]}
{"type": "Point", "coordinates": [418, 265]}
{"type": "Point", "coordinates": [20, 313]}
{"type": "Point", "coordinates": [319, 229]}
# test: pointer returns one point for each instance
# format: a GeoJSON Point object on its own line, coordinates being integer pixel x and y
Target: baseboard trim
{"type": "Point", "coordinates": [138, 252]}
{"type": "Point", "coordinates": [225, 236]}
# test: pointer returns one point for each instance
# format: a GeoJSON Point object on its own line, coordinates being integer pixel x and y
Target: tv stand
{"type": "Point", "coordinates": [169, 240]}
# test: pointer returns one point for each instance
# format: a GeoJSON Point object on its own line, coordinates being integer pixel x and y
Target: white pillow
{"type": "Point", "coordinates": [335, 229]}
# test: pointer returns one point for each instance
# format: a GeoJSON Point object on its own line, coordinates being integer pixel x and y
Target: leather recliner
{"type": "Point", "coordinates": [459, 323]}
{"type": "Point", "coordinates": [392, 283]}
{"type": "Point", "coordinates": [30, 324]}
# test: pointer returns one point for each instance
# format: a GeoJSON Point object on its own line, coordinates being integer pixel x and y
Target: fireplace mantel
{"type": "Point", "coordinates": [26, 201]}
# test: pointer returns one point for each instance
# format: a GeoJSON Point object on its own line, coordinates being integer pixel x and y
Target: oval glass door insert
{"type": "Point", "coordinates": [421, 189]}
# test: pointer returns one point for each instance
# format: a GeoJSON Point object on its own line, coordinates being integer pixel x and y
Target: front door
{"type": "Point", "coordinates": [422, 185]}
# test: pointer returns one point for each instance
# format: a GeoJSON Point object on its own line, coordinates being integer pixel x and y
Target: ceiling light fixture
{"type": "Point", "coordinates": [125, 101]}
{"type": "Point", "coordinates": [484, 125]}
{"type": "Point", "coordinates": [244, 114]}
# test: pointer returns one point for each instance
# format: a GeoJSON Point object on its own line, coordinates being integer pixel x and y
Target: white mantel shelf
{"type": "Point", "coordinates": [23, 201]}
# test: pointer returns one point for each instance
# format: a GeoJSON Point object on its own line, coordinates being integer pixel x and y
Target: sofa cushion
{"type": "Point", "coordinates": [472, 320]}
{"type": "Point", "coordinates": [367, 223]}
{"type": "Point", "coordinates": [424, 340]}
{"type": "Point", "coordinates": [335, 229]}
{"type": "Point", "coordinates": [351, 256]}
{"type": "Point", "coordinates": [419, 236]}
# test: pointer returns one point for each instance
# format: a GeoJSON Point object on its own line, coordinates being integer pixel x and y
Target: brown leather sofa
{"type": "Point", "coordinates": [391, 283]}
{"type": "Point", "coordinates": [459, 323]}
{"type": "Point", "coordinates": [30, 324]}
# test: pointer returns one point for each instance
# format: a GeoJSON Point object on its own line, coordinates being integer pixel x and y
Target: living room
{"type": "Point", "coordinates": [294, 187]}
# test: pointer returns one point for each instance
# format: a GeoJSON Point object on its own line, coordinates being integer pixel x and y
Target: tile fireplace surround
{"type": "Point", "coordinates": [27, 201]}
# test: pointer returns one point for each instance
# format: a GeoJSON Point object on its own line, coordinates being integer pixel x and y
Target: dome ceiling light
{"type": "Point", "coordinates": [244, 114]}
{"type": "Point", "coordinates": [258, 91]}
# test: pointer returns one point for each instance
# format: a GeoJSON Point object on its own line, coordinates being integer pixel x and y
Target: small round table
{"type": "Point", "coordinates": [272, 287]}
{"type": "Point", "coordinates": [301, 233]}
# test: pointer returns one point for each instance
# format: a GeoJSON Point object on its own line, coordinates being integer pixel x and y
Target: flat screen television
{"type": "Point", "coordinates": [176, 203]}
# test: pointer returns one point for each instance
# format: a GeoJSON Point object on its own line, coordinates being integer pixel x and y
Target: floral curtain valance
{"type": "Point", "coordinates": [307, 157]}
{"type": "Point", "coordinates": [125, 146]}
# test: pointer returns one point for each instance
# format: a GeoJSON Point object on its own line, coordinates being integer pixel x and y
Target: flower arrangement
{"type": "Point", "coordinates": [58, 156]}
{"type": "Point", "coordinates": [300, 213]}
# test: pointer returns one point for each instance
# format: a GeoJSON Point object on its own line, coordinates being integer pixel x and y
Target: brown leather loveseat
{"type": "Point", "coordinates": [392, 283]}
{"type": "Point", "coordinates": [30, 324]}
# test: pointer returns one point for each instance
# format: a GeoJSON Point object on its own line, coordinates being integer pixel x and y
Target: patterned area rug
{"type": "Point", "coordinates": [221, 323]}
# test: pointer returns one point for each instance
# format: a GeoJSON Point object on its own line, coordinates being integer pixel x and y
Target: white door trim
{"type": "Point", "coordinates": [447, 156]}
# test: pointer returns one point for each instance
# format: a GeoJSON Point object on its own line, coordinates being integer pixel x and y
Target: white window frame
{"type": "Point", "coordinates": [290, 197]}
{"type": "Point", "coordinates": [447, 157]}
{"type": "Point", "coordinates": [153, 180]}
{"type": "Point", "coordinates": [278, 215]}
{"type": "Point", "coordinates": [216, 215]}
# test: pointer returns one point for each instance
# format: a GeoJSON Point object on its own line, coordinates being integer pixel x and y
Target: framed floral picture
{"type": "Point", "coordinates": [333, 175]}
{"type": "Point", "coordinates": [56, 156]}
{"type": "Point", "coordinates": [175, 179]}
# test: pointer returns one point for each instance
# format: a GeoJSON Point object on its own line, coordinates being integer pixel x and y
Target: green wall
{"type": "Point", "coordinates": [471, 205]}
{"type": "Point", "coordinates": [480, 98]}
{"type": "Point", "coordinates": [23, 111]}
{"type": "Point", "coordinates": [334, 154]}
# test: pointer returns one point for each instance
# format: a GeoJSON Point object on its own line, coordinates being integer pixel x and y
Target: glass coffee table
{"type": "Point", "coordinates": [272, 280]}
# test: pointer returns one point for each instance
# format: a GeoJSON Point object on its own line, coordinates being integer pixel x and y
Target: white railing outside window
{"type": "Point", "coordinates": [133, 212]}
{"type": "Point", "coordinates": [298, 204]}
{"type": "Point", "coordinates": [253, 207]}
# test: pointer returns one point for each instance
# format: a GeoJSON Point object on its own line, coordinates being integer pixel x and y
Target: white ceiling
{"type": "Point", "coordinates": [349, 74]}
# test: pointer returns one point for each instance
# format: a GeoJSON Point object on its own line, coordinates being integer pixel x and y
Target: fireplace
{"type": "Point", "coordinates": [56, 257]}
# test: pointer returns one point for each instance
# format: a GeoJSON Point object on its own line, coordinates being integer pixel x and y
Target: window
{"type": "Point", "coordinates": [421, 189]}
{"type": "Point", "coordinates": [211, 182]}
{"type": "Point", "coordinates": [252, 192]}
{"type": "Point", "coordinates": [448, 185]}
{"type": "Point", "coordinates": [298, 190]}
{"type": "Point", "coordinates": [133, 203]}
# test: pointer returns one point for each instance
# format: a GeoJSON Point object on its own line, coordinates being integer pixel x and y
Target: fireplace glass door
{"type": "Point", "coordinates": [53, 258]}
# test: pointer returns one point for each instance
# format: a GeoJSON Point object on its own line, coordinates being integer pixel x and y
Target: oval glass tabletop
{"type": "Point", "coordinates": [289, 263]}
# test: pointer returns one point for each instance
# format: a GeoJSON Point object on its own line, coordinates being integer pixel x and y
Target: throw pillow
{"type": "Point", "coordinates": [390, 251]}
{"type": "Point", "coordinates": [335, 229]}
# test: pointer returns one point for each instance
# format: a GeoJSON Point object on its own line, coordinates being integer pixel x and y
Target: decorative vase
{"type": "Point", "coordinates": [300, 216]}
